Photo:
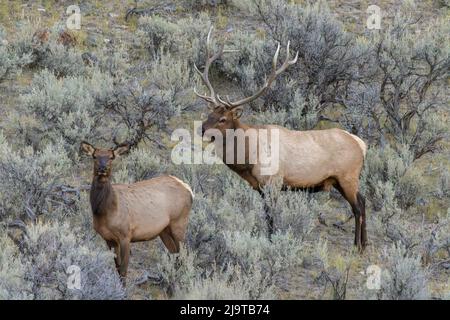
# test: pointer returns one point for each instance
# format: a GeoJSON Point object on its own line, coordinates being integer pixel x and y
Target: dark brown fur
{"type": "Point", "coordinates": [102, 197]}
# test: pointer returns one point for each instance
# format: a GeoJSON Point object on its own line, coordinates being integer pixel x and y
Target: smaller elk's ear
{"type": "Point", "coordinates": [87, 148]}
{"type": "Point", "coordinates": [237, 112]}
{"type": "Point", "coordinates": [120, 150]}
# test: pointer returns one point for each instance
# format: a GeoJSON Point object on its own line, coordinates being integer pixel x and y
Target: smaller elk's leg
{"type": "Point", "coordinates": [171, 244]}
{"type": "Point", "coordinates": [124, 258]}
{"type": "Point", "coordinates": [178, 229]}
{"type": "Point", "coordinates": [112, 244]}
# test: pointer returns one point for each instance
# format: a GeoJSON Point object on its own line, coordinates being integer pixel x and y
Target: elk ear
{"type": "Point", "coordinates": [87, 148]}
{"type": "Point", "coordinates": [237, 113]}
{"type": "Point", "coordinates": [120, 150]}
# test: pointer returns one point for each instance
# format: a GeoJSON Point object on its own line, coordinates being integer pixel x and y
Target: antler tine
{"type": "Point", "coordinates": [204, 97]}
{"type": "Point", "coordinates": [210, 58]}
{"type": "Point", "coordinates": [226, 103]}
{"type": "Point", "coordinates": [197, 69]}
{"type": "Point", "coordinates": [114, 139]}
{"type": "Point", "coordinates": [287, 62]}
{"type": "Point", "coordinates": [274, 73]}
{"type": "Point", "coordinates": [208, 42]}
{"type": "Point", "coordinates": [294, 60]}
{"type": "Point", "coordinates": [275, 57]}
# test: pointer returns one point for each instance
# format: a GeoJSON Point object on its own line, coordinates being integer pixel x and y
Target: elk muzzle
{"type": "Point", "coordinates": [102, 171]}
{"type": "Point", "coordinates": [207, 133]}
{"type": "Point", "coordinates": [102, 166]}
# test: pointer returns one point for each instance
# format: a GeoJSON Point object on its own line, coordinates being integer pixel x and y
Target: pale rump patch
{"type": "Point", "coordinates": [184, 184]}
{"type": "Point", "coordinates": [361, 143]}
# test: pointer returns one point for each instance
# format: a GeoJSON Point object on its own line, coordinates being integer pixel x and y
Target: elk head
{"type": "Point", "coordinates": [103, 158]}
{"type": "Point", "coordinates": [224, 114]}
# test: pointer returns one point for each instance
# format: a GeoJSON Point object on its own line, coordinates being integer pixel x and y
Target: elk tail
{"type": "Point", "coordinates": [184, 184]}
{"type": "Point", "coordinates": [361, 143]}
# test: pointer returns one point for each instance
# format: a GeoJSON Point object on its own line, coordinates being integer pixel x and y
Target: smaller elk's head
{"type": "Point", "coordinates": [224, 113]}
{"type": "Point", "coordinates": [103, 158]}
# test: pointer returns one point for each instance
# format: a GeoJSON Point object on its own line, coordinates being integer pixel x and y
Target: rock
{"type": "Point", "coordinates": [41, 37]}
{"type": "Point", "coordinates": [67, 39]}
{"type": "Point", "coordinates": [89, 59]}
{"type": "Point", "coordinates": [169, 8]}
{"type": "Point", "coordinates": [307, 262]}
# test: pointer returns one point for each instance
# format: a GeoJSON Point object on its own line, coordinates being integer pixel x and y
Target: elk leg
{"type": "Point", "coordinates": [358, 224]}
{"type": "Point", "coordinates": [246, 175]}
{"type": "Point", "coordinates": [178, 227]}
{"type": "Point", "coordinates": [171, 244]}
{"type": "Point", "coordinates": [362, 208]}
{"type": "Point", "coordinates": [112, 244]}
{"type": "Point", "coordinates": [349, 191]}
{"type": "Point", "coordinates": [124, 258]}
{"type": "Point", "coordinates": [268, 216]}
{"type": "Point", "coordinates": [269, 220]}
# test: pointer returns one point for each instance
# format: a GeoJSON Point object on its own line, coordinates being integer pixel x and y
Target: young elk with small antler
{"type": "Point", "coordinates": [313, 160]}
{"type": "Point", "coordinates": [125, 213]}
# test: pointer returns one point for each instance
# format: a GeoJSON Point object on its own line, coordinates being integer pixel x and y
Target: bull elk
{"type": "Point", "coordinates": [125, 213]}
{"type": "Point", "coordinates": [313, 160]}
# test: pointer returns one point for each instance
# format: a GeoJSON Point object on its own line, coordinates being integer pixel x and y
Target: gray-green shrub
{"type": "Point", "coordinates": [12, 59]}
{"type": "Point", "coordinates": [411, 68]}
{"type": "Point", "coordinates": [40, 269]}
{"type": "Point", "coordinates": [65, 108]}
{"type": "Point", "coordinates": [329, 57]}
{"type": "Point", "coordinates": [403, 277]}
{"type": "Point", "coordinates": [28, 179]}
{"type": "Point", "coordinates": [12, 271]}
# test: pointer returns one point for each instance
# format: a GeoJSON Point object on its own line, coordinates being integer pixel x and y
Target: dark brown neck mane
{"type": "Point", "coordinates": [102, 196]}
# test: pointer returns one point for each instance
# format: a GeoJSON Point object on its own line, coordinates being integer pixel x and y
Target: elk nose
{"type": "Point", "coordinates": [102, 169]}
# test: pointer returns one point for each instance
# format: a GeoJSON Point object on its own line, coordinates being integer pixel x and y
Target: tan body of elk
{"type": "Point", "coordinates": [314, 160]}
{"type": "Point", "coordinates": [125, 213]}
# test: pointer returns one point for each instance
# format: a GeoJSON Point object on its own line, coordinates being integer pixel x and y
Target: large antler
{"type": "Point", "coordinates": [210, 58]}
{"type": "Point", "coordinates": [275, 72]}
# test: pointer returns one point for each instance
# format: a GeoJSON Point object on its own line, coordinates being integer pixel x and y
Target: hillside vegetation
{"type": "Point", "coordinates": [130, 77]}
